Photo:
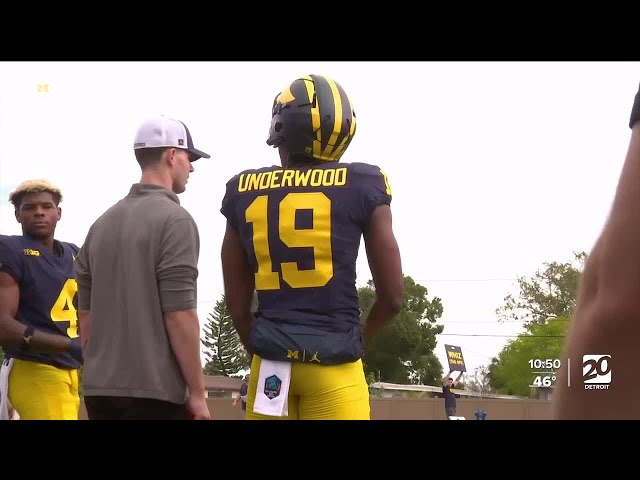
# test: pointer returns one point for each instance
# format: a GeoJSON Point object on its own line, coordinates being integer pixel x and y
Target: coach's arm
{"type": "Point", "coordinates": [177, 274]}
{"type": "Point", "coordinates": [83, 279]}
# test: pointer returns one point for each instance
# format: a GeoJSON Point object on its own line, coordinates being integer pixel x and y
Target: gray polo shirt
{"type": "Point", "coordinates": [139, 260]}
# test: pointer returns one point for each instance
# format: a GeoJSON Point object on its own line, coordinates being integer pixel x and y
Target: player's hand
{"type": "Point", "coordinates": [197, 406]}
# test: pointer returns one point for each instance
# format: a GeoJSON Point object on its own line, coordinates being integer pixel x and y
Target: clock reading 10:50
{"type": "Point", "coordinates": [545, 363]}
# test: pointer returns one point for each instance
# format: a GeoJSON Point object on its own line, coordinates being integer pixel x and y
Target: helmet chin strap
{"type": "Point", "coordinates": [285, 159]}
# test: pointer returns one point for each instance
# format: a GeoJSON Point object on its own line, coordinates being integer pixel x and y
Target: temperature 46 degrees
{"type": "Point", "coordinates": [544, 381]}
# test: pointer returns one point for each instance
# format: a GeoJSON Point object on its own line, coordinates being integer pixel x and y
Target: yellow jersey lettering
{"type": "Point", "coordinates": [316, 177]}
{"type": "Point", "coordinates": [265, 181]}
{"type": "Point", "coordinates": [330, 177]}
{"type": "Point", "coordinates": [243, 183]}
{"type": "Point", "coordinates": [292, 354]}
{"type": "Point", "coordinates": [287, 178]}
{"type": "Point", "coordinates": [31, 252]}
{"type": "Point", "coordinates": [254, 180]}
{"type": "Point", "coordinates": [302, 178]}
{"type": "Point", "coordinates": [275, 181]}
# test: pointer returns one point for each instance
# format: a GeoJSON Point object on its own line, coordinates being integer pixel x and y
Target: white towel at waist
{"type": "Point", "coordinates": [272, 392]}
{"type": "Point", "coordinates": [7, 412]}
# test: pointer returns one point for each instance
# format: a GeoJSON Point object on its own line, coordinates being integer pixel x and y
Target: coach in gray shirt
{"type": "Point", "coordinates": [136, 274]}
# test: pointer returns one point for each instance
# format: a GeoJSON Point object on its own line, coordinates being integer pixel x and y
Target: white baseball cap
{"type": "Point", "coordinates": [166, 132]}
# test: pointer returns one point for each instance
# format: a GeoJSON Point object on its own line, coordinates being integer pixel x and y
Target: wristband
{"type": "Point", "coordinates": [26, 338]}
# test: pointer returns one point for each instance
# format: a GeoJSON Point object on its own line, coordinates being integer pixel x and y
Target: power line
{"type": "Point", "coordinates": [422, 280]}
{"type": "Point", "coordinates": [498, 320]}
{"type": "Point", "coordinates": [499, 336]}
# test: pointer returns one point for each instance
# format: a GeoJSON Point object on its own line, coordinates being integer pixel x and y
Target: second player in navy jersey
{"type": "Point", "coordinates": [46, 280]}
{"type": "Point", "coordinates": [38, 308]}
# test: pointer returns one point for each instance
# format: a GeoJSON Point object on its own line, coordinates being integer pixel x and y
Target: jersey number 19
{"type": "Point", "coordinates": [318, 237]}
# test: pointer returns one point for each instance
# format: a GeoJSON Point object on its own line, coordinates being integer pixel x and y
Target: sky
{"type": "Point", "coordinates": [496, 167]}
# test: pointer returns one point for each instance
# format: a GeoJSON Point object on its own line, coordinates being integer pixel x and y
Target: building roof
{"type": "Point", "coordinates": [219, 382]}
{"type": "Point", "coordinates": [428, 388]}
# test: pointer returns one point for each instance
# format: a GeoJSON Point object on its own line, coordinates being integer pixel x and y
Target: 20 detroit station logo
{"type": "Point", "coordinates": [596, 372]}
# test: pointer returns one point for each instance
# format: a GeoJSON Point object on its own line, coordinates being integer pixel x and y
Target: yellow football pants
{"type": "Point", "coordinates": [43, 392]}
{"type": "Point", "coordinates": [319, 392]}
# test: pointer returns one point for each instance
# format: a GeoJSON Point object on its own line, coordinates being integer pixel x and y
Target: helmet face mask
{"type": "Point", "coordinates": [314, 117]}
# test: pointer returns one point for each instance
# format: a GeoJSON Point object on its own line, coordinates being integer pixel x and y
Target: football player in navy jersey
{"type": "Point", "coordinates": [293, 234]}
{"type": "Point", "coordinates": [38, 319]}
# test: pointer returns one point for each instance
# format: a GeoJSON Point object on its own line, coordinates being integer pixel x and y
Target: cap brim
{"type": "Point", "coordinates": [195, 154]}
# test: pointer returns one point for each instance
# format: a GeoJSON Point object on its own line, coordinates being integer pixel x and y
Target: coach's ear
{"type": "Point", "coordinates": [170, 157]}
{"type": "Point", "coordinates": [59, 213]}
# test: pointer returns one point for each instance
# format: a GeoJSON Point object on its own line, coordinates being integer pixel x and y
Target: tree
{"type": "Point", "coordinates": [511, 372]}
{"type": "Point", "coordinates": [550, 293]}
{"type": "Point", "coordinates": [479, 380]}
{"type": "Point", "coordinates": [403, 351]}
{"type": "Point", "coordinates": [225, 353]}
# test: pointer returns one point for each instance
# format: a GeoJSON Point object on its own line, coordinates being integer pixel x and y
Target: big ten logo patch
{"type": "Point", "coordinates": [596, 371]}
{"type": "Point", "coordinates": [272, 385]}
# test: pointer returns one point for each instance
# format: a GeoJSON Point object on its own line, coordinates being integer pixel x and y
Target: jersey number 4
{"type": "Point", "coordinates": [63, 310]}
{"type": "Point", "coordinates": [318, 237]}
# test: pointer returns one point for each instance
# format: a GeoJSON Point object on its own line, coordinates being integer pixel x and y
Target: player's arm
{"type": "Point", "coordinates": [385, 264]}
{"type": "Point", "coordinates": [239, 283]}
{"type": "Point", "coordinates": [605, 320]}
{"type": "Point", "coordinates": [15, 334]}
{"type": "Point", "coordinates": [177, 274]}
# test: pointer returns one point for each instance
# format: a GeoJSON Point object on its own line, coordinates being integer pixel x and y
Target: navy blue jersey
{"type": "Point", "coordinates": [301, 228]}
{"type": "Point", "coordinates": [449, 397]}
{"type": "Point", "coordinates": [48, 289]}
